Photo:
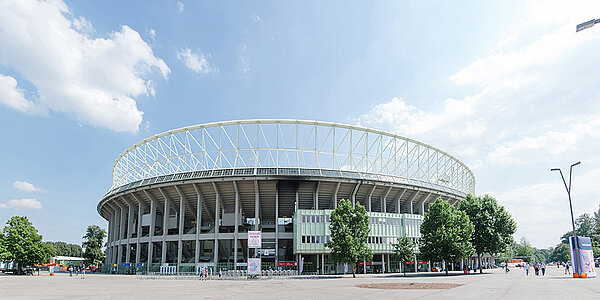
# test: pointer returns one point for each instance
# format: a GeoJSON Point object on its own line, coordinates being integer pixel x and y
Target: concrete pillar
{"type": "Point", "coordinates": [296, 205]}
{"type": "Point", "coordinates": [130, 222]}
{"type": "Point", "coordinates": [256, 205]}
{"type": "Point", "coordinates": [398, 208]}
{"type": "Point", "coordinates": [276, 223]}
{"type": "Point", "coordinates": [235, 230]}
{"type": "Point", "coordinates": [121, 234]}
{"type": "Point", "coordinates": [111, 218]}
{"type": "Point", "coordinates": [153, 205]}
{"type": "Point", "coordinates": [369, 198]}
{"type": "Point", "coordinates": [384, 201]}
{"type": "Point", "coordinates": [216, 238]}
{"type": "Point", "coordinates": [337, 188]}
{"type": "Point", "coordinates": [181, 224]}
{"type": "Point", "coordinates": [138, 247]}
{"type": "Point", "coordinates": [316, 195]}
{"type": "Point", "coordinates": [383, 262]}
{"type": "Point", "coordinates": [354, 194]}
{"type": "Point", "coordinates": [198, 224]}
{"type": "Point", "coordinates": [166, 214]}
{"type": "Point", "coordinates": [322, 263]}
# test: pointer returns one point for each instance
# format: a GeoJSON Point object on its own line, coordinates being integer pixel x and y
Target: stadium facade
{"type": "Point", "coordinates": [189, 196]}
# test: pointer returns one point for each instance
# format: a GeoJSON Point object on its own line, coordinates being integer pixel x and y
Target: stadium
{"type": "Point", "coordinates": [188, 197]}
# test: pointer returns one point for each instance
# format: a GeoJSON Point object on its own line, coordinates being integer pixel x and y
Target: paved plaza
{"type": "Point", "coordinates": [494, 284]}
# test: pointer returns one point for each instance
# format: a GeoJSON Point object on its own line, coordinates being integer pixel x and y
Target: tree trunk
{"type": "Point", "coordinates": [479, 259]}
{"type": "Point", "coordinates": [446, 266]}
{"type": "Point", "coordinates": [353, 274]}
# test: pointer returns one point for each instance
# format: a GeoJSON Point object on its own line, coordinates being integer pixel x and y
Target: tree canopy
{"type": "Point", "coordinates": [349, 231]}
{"type": "Point", "coordinates": [562, 253]}
{"type": "Point", "coordinates": [404, 250]}
{"type": "Point", "coordinates": [22, 243]}
{"type": "Point", "coordinates": [446, 233]}
{"type": "Point", "coordinates": [64, 249]}
{"type": "Point", "coordinates": [92, 242]}
{"type": "Point", "coordinates": [493, 225]}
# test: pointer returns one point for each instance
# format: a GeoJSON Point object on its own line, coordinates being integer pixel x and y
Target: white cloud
{"type": "Point", "coordinates": [551, 143]}
{"type": "Point", "coordinates": [22, 203]}
{"type": "Point", "coordinates": [152, 33]}
{"type": "Point", "coordinates": [93, 79]}
{"type": "Point", "coordinates": [180, 6]}
{"type": "Point", "coordinates": [196, 62]}
{"type": "Point", "coordinates": [82, 25]}
{"type": "Point", "coordinates": [532, 104]}
{"type": "Point", "coordinates": [14, 97]}
{"type": "Point", "coordinates": [407, 120]}
{"type": "Point", "coordinates": [27, 187]}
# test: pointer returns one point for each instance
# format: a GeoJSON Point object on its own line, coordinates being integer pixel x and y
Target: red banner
{"type": "Point", "coordinates": [360, 263]}
{"type": "Point", "coordinates": [286, 263]}
{"type": "Point", "coordinates": [412, 262]}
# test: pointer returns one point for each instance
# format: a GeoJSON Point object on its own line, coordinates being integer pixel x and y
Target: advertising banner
{"type": "Point", "coordinates": [586, 257]}
{"type": "Point", "coordinates": [254, 266]}
{"type": "Point", "coordinates": [254, 239]}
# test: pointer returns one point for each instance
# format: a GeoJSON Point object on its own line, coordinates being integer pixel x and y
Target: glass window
{"type": "Point", "coordinates": [303, 239]}
{"type": "Point", "coordinates": [312, 239]}
{"type": "Point", "coordinates": [313, 219]}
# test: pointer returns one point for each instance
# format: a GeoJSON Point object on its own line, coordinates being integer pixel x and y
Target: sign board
{"type": "Point", "coordinates": [360, 263]}
{"type": "Point", "coordinates": [586, 257]}
{"type": "Point", "coordinates": [412, 262]}
{"type": "Point", "coordinates": [126, 264]}
{"type": "Point", "coordinates": [266, 252]}
{"type": "Point", "coordinates": [254, 239]}
{"type": "Point", "coordinates": [254, 266]}
{"type": "Point", "coordinates": [140, 264]}
{"type": "Point", "coordinates": [286, 263]}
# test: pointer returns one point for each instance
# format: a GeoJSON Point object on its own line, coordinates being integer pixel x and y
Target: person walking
{"type": "Point", "coordinates": [71, 271]}
{"type": "Point", "coordinates": [543, 269]}
{"type": "Point", "coordinates": [537, 269]}
{"type": "Point", "coordinates": [567, 271]}
{"type": "Point", "coordinates": [83, 272]}
{"type": "Point", "coordinates": [527, 269]}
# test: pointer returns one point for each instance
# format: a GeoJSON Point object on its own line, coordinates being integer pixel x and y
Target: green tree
{"type": "Point", "coordinates": [542, 255]}
{"type": "Point", "coordinates": [404, 250]}
{"type": "Point", "coordinates": [64, 249]}
{"type": "Point", "coordinates": [509, 252]}
{"type": "Point", "coordinates": [493, 225]}
{"type": "Point", "coordinates": [597, 221]}
{"type": "Point", "coordinates": [23, 243]}
{"type": "Point", "coordinates": [584, 226]}
{"type": "Point", "coordinates": [562, 253]}
{"type": "Point", "coordinates": [93, 241]}
{"type": "Point", "coordinates": [524, 250]}
{"type": "Point", "coordinates": [349, 231]}
{"type": "Point", "coordinates": [4, 254]}
{"type": "Point", "coordinates": [446, 234]}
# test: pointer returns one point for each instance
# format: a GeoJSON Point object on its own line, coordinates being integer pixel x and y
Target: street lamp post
{"type": "Point", "coordinates": [571, 207]}
{"type": "Point", "coordinates": [586, 25]}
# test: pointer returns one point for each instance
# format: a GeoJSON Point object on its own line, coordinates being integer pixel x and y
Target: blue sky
{"type": "Point", "coordinates": [505, 86]}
